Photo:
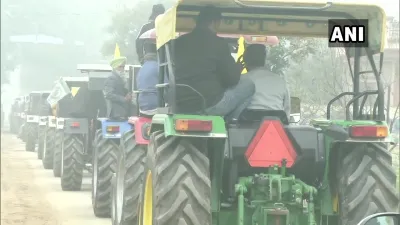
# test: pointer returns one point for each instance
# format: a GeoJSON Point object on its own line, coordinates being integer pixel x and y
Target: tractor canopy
{"type": "Point", "coordinates": [271, 17]}
{"type": "Point", "coordinates": [33, 103]}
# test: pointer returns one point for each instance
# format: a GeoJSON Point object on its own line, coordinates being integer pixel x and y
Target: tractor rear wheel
{"type": "Point", "coordinates": [57, 153]}
{"type": "Point", "coordinates": [366, 182]}
{"type": "Point", "coordinates": [31, 136]}
{"type": "Point", "coordinates": [72, 162]}
{"type": "Point", "coordinates": [104, 165]}
{"type": "Point", "coordinates": [41, 135]}
{"type": "Point", "coordinates": [47, 159]}
{"type": "Point", "coordinates": [129, 175]}
{"type": "Point", "coordinates": [176, 183]}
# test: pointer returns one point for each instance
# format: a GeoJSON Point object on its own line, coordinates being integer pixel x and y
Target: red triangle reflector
{"type": "Point", "coordinates": [270, 146]}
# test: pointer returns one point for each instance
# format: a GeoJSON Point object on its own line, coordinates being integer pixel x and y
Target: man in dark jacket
{"type": "Point", "coordinates": [203, 61]}
{"type": "Point", "coordinates": [156, 11]}
{"type": "Point", "coordinates": [116, 90]}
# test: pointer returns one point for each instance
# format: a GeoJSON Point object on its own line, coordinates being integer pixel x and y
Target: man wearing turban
{"type": "Point", "coordinates": [116, 93]}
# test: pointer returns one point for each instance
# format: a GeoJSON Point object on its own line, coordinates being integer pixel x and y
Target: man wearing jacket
{"type": "Point", "coordinates": [156, 11]}
{"type": "Point", "coordinates": [203, 61]}
{"type": "Point", "coordinates": [116, 93]}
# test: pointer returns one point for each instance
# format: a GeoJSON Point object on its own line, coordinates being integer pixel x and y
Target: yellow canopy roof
{"type": "Point", "coordinates": [311, 21]}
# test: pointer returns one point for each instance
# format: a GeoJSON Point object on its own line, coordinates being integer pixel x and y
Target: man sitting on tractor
{"type": "Point", "coordinates": [147, 79]}
{"type": "Point", "coordinates": [116, 92]}
{"type": "Point", "coordinates": [203, 61]}
{"type": "Point", "coordinates": [271, 92]}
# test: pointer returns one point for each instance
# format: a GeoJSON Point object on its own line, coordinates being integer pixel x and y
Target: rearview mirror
{"type": "Point", "coordinates": [295, 105]}
{"type": "Point", "coordinates": [390, 218]}
{"type": "Point", "coordinates": [295, 110]}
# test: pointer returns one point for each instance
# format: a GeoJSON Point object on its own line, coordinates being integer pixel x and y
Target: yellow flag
{"type": "Point", "coordinates": [117, 53]}
{"type": "Point", "coordinates": [74, 90]}
{"type": "Point", "coordinates": [241, 51]}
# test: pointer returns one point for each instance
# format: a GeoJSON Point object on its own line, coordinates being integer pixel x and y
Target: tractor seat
{"type": "Point", "coordinates": [257, 115]}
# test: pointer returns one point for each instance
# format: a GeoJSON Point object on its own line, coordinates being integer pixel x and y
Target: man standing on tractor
{"type": "Point", "coordinates": [116, 92]}
{"type": "Point", "coordinates": [147, 79]}
{"type": "Point", "coordinates": [272, 92]}
{"type": "Point", "coordinates": [204, 62]}
{"type": "Point", "coordinates": [156, 11]}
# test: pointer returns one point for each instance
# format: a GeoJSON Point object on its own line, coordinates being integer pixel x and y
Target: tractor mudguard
{"type": "Point", "coordinates": [167, 123]}
{"type": "Point", "coordinates": [76, 126]}
{"type": "Point", "coordinates": [52, 121]}
{"type": "Point", "coordinates": [113, 129]}
{"type": "Point", "coordinates": [32, 119]}
{"type": "Point", "coordinates": [43, 121]}
{"type": "Point", "coordinates": [60, 123]}
{"type": "Point", "coordinates": [142, 129]}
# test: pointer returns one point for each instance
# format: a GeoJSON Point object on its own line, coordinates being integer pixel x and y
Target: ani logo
{"type": "Point", "coordinates": [348, 32]}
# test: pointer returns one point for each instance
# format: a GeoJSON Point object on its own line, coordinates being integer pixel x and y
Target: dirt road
{"type": "Point", "coordinates": [31, 195]}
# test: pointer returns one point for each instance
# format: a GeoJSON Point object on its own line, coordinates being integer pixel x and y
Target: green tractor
{"type": "Point", "coordinates": [261, 170]}
{"type": "Point", "coordinates": [44, 113]}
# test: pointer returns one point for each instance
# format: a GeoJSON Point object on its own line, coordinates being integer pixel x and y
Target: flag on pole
{"type": "Point", "coordinates": [117, 53]}
{"type": "Point", "coordinates": [241, 51]}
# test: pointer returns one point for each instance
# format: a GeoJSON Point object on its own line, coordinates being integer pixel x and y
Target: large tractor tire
{"type": "Point", "coordinates": [31, 136]}
{"type": "Point", "coordinates": [129, 176]}
{"type": "Point", "coordinates": [47, 159]}
{"type": "Point", "coordinates": [177, 181]}
{"type": "Point", "coordinates": [41, 136]}
{"type": "Point", "coordinates": [72, 162]}
{"type": "Point", "coordinates": [57, 153]}
{"type": "Point", "coordinates": [366, 182]}
{"type": "Point", "coordinates": [104, 165]}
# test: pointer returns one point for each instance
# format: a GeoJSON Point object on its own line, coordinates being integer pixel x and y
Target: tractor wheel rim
{"type": "Point", "coordinates": [119, 190]}
{"type": "Point", "coordinates": [148, 201]}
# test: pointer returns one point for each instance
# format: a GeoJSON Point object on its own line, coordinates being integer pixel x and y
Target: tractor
{"type": "Point", "coordinates": [32, 110]}
{"type": "Point", "coordinates": [14, 116]}
{"type": "Point", "coordinates": [261, 170]}
{"type": "Point", "coordinates": [60, 99]}
{"type": "Point", "coordinates": [45, 112]}
{"type": "Point", "coordinates": [133, 144]}
{"type": "Point", "coordinates": [91, 140]}
{"type": "Point", "coordinates": [22, 108]}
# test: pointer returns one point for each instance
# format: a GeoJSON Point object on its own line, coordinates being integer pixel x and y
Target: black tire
{"type": "Point", "coordinates": [41, 136]}
{"type": "Point", "coordinates": [180, 180]}
{"type": "Point", "coordinates": [31, 136]}
{"type": "Point", "coordinates": [104, 165]}
{"type": "Point", "coordinates": [129, 178]}
{"type": "Point", "coordinates": [47, 159]}
{"type": "Point", "coordinates": [57, 153]}
{"type": "Point", "coordinates": [72, 162]}
{"type": "Point", "coordinates": [366, 182]}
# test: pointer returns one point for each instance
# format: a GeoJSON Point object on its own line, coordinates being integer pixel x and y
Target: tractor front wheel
{"type": "Point", "coordinates": [366, 181]}
{"type": "Point", "coordinates": [177, 186]}
{"type": "Point", "coordinates": [31, 136]}
{"type": "Point", "coordinates": [57, 153]}
{"type": "Point", "coordinates": [72, 162]}
{"type": "Point", "coordinates": [104, 165]}
{"type": "Point", "coordinates": [129, 175]}
{"type": "Point", "coordinates": [47, 159]}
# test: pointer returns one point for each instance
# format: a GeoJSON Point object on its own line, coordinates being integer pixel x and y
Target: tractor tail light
{"type": "Point", "coordinates": [75, 125]}
{"type": "Point", "coordinates": [369, 131]}
{"type": "Point", "coordinates": [270, 146]}
{"type": "Point", "coordinates": [112, 129]}
{"type": "Point", "coordinates": [193, 125]}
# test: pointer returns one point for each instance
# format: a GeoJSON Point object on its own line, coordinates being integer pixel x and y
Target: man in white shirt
{"type": "Point", "coordinates": [272, 92]}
